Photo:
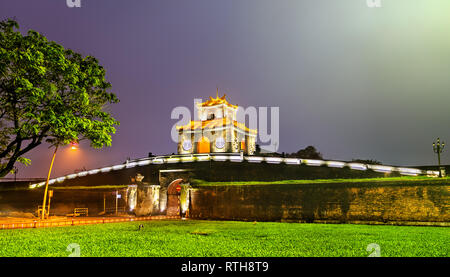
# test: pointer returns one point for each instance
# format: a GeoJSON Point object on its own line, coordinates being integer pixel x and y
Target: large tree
{"type": "Point", "coordinates": [310, 152]}
{"type": "Point", "coordinates": [48, 94]}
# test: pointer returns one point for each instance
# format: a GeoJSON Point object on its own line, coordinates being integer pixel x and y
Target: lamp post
{"type": "Point", "coordinates": [74, 146]}
{"type": "Point", "coordinates": [16, 170]}
{"type": "Point", "coordinates": [438, 147]}
{"type": "Point", "coordinates": [46, 183]}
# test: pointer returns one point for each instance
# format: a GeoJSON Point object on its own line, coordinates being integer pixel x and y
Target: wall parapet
{"type": "Point", "coordinates": [233, 157]}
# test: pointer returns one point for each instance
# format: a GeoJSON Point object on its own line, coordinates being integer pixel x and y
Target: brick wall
{"type": "Point", "coordinates": [394, 203]}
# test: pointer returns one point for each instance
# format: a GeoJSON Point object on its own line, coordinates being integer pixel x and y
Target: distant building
{"type": "Point", "coordinates": [217, 131]}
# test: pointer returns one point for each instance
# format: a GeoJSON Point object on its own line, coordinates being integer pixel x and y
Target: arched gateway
{"type": "Point", "coordinates": [173, 197]}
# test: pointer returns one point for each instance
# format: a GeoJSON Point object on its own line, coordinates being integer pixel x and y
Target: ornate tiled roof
{"type": "Point", "coordinates": [217, 101]}
{"type": "Point", "coordinates": [215, 123]}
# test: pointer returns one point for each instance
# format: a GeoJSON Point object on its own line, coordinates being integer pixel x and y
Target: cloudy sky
{"type": "Point", "coordinates": [354, 81]}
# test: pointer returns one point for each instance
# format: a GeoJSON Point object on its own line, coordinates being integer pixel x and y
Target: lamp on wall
{"type": "Point", "coordinates": [438, 148]}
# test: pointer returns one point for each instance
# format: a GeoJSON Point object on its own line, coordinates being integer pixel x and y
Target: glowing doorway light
{"type": "Point", "coordinates": [132, 200]}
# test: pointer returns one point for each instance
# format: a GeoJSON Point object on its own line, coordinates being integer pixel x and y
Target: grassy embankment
{"type": "Point", "coordinates": [381, 180]}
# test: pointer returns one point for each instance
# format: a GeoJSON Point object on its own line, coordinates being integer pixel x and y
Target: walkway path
{"type": "Point", "coordinates": [16, 223]}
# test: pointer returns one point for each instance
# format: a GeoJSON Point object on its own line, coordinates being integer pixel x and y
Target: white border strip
{"type": "Point", "coordinates": [251, 159]}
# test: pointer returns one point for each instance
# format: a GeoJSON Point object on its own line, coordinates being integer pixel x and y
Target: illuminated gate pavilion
{"type": "Point", "coordinates": [217, 131]}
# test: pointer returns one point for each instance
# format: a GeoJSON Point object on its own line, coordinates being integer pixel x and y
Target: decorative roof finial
{"type": "Point", "coordinates": [217, 93]}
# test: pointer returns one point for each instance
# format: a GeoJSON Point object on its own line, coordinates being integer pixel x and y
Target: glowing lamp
{"type": "Point", "coordinates": [74, 146]}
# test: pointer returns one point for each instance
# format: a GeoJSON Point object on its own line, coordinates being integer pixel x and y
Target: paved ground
{"type": "Point", "coordinates": [20, 223]}
{"type": "Point", "coordinates": [11, 219]}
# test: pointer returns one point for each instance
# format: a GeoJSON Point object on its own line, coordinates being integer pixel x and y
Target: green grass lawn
{"type": "Point", "coordinates": [227, 238]}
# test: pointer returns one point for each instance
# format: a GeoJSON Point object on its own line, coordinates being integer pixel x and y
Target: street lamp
{"type": "Point", "coordinates": [46, 183]}
{"type": "Point", "coordinates": [438, 147]}
{"type": "Point", "coordinates": [74, 146]}
{"type": "Point", "coordinates": [16, 170]}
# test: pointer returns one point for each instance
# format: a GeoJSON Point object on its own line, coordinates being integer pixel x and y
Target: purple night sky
{"type": "Point", "coordinates": [354, 81]}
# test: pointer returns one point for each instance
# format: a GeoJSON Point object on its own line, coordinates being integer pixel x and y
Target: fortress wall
{"type": "Point", "coordinates": [344, 202]}
{"type": "Point", "coordinates": [214, 171]}
{"type": "Point", "coordinates": [390, 203]}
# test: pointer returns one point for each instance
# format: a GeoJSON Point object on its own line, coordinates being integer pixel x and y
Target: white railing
{"type": "Point", "coordinates": [235, 157]}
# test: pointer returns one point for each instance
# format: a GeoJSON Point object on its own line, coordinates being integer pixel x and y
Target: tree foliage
{"type": "Point", "coordinates": [310, 152]}
{"type": "Point", "coordinates": [367, 161]}
{"type": "Point", "coordinates": [48, 94]}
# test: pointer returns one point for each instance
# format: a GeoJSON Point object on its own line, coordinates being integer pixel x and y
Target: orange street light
{"type": "Point", "coordinates": [46, 183]}
{"type": "Point", "coordinates": [74, 146]}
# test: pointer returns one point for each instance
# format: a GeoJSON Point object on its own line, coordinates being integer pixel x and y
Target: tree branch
{"type": "Point", "coordinates": [9, 148]}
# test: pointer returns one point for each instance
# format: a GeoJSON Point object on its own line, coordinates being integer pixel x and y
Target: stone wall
{"type": "Point", "coordinates": [343, 202]}
{"type": "Point", "coordinates": [147, 200]}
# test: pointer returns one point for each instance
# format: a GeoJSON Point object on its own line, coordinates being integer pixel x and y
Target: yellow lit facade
{"type": "Point", "coordinates": [217, 131]}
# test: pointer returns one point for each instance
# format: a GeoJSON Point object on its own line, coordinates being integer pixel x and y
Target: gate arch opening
{"type": "Point", "coordinates": [172, 188]}
{"type": "Point", "coordinates": [173, 198]}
